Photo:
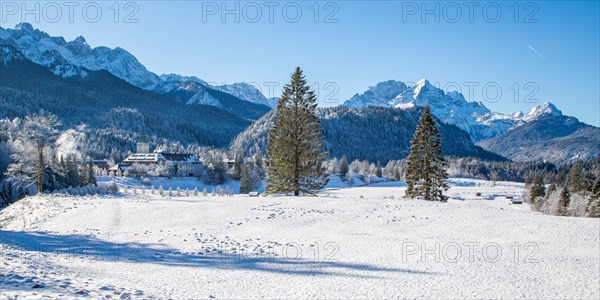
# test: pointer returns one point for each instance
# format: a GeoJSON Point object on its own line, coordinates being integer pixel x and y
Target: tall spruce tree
{"type": "Point", "coordinates": [248, 180]}
{"type": "Point", "coordinates": [425, 173]}
{"type": "Point", "coordinates": [344, 167]}
{"type": "Point", "coordinates": [563, 202]}
{"type": "Point", "coordinates": [378, 172]}
{"type": "Point", "coordinates": [538, 188]}
{"type": "Point", "coordinates": [593, 208]}
{"type": "Point", "coordinates": [295, 142]}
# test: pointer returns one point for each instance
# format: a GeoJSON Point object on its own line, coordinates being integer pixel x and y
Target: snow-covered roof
{"type": "Point", "coordinates": [157, 157]}
{"type": "Point", "coordinates": [144, 158]}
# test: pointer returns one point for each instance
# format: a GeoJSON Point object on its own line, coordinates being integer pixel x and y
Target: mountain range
{"type": "Point", "coordinates": [449, 107]}
{"type": "Point", "coordinates": [55, 53]}
{"type": "Point", "coordinates": [215, 114]}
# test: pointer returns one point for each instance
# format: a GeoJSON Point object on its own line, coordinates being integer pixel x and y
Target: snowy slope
{"type": "Point", "coordinates": [449, 107]}
{"type": "Point", "coordinates": [355, 243]}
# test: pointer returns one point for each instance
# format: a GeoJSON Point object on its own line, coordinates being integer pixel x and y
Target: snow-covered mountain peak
{"type": "Point", "coordinates": [450, 107]}
{"type": "Point", "coordinates": [377, 95]}
{"type": "Point", "coordinates": [421, 85]}
{"type": "Point", "coordinates": [24, 27]}
{"type": "Point", "coordinates": [245, 91]}
{"type": "Point", "coordinates": [545, 109]}
{"type": "Point", "coordinates": [80, 40]}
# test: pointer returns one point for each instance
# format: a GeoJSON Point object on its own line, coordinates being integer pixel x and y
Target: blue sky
{"type": "Point", "coordinates": [547, 51]}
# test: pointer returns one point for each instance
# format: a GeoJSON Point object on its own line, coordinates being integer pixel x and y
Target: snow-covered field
{"type": "Point", "coordinates": [360, 242]}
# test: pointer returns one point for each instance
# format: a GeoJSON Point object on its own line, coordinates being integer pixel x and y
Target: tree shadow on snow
{"type": "Point", "coordinates": [84, 247]}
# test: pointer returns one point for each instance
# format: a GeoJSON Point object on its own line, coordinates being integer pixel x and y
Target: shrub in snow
{"type": "Point", "coordinates": [152, 190]}
{"type": "Point", "coordinates": [143, 190]}
{"type": "Point", "coordinates": [170, 192]}
{"type": "Point", "coordinates": [195, 191]}
{"type": "Point", "coordinates": [125, 189]}
{"type": "Point", "coordinates": [160, 190]}
{"type": "Point", "coordinates": [135, 190]}
{"type": "Point", "coordinates": [204, 192]}
{"type": "Point", "coordinates": [146, 181]}
{"type": "Point", "coordinates": [178, 191]}
{"type": "Point", "coordinates": [187, 192]}
{"type": "Point", "coordinates": [213, 192]}
{"type": "Point", "coordinates": [101, 188]}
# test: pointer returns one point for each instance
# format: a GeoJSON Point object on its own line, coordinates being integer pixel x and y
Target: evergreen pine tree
{"type": "Point", "coordinates": [574, 177]}
{"type": "Point", "coordinates": [537, 188]}
{"type": "Point", "coordinates": [344, 167]}
{"type": "Point", "coordinates": [295, 142]}
{"type": "Point", "coordinates": [378, 172]}
{"type": "Point", "coordinates": [246, 182]}
{"type": "Point", "coordinates": [425, 172]}
{"type": "Point", "coordinates": [593, 208]}
{"type": "Point", "coordinates": [4, 201]}
{"type": "Point", "coordinates": [91, 177]}
{"type": "Point", "coordinates": [238, 164]}
{"type": "Point", "coordinates": [563, 202]}
{"type": "Point", "coordinates": [10, 192]}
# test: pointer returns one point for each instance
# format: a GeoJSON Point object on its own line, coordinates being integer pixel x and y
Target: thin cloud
{"type": "Point", "coordinates": [536, 52]}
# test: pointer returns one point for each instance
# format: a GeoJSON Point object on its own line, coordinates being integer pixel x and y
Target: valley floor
{"type": "Point", "coordinates": [361, 242]}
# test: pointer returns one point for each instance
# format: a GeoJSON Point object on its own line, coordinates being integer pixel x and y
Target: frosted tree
{"type": "Point", "coordinates": [396, 174]}
{"type": "Point", "coordinates": [195, 193]}
{"type": "Point", "coordinates": [425, 173]}
{"type": "Point", "coordinates": [204, 192]}
{"type": "Point", "coordinates": [161, 190]}
{"type": "Point", "coordinates": [295, 142]}
{"type": "Point", "coordinates": [32, 147]}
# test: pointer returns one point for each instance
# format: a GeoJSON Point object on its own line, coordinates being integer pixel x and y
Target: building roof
{"type": "Point", "coordinates": [144, 158]}
{"type": "Point", "coordinates": [157, 157]}
{"type": "Point", "coordinates": [179, 157]}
